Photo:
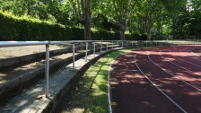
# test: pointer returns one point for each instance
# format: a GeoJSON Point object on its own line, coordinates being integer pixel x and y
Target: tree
{"type": "Point", "coordinates": [151, 15]}
{"type": "Point", "coordinates": [123, 10]}
{"type": "Point", "coordinates": [82, 13]}
{"type": "Point", "coordinates": [147, 13]}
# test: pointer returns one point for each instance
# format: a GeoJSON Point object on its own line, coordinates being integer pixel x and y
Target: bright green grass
{"type": "Point", "coordinates": [90, 93]}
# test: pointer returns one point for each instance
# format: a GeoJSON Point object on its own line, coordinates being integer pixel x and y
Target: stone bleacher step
{"type": "Point", "coordinates": [33, 57]}
{"type": "Point", "coordinates": [32, 100]}
{"type": "Point", "coordinates": [24, 76]}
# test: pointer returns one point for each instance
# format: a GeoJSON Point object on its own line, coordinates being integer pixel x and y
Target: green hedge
{"type": "Point", "coordinates": [28, 30]}
{"type": "Point", "coordinates": [23, 29]}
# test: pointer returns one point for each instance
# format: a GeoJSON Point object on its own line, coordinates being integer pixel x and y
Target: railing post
{"type": "Point", "coordinates": [112, 44]}
{"type": "Point", "coordinates": [101, 46]}
{"type": "Point", "coordinates": [122, 44]}
{"type": "Point", "coordinates": [73, 56]}
{"type": "Point", "coordinates": [127, 43]}
{"type": "Point", "coordinates": [86, 51]}
{"type": "Point", "coordinates": [47, 66]}
{"type": "Point", "coordinates": [107, 46]}
{"type": "Point", "coordinates": [94, 44]}
{"type": "Point", "coordinates": [117, 44]}
{"type": "Point", "coordinates": [167, 41]}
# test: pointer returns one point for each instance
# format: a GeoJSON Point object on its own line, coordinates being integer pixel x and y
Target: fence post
{"type": "Point", "coordinates": [112, 44]}
{"type": "Point", "coordinates": [101, 46]}
{"type": "Point", "coordinates": [122, 44]}
{"type": "Point", "coordinates": [86, 51]}
{"type": "Point", "coordinates": [94, 44]}
{"type": "Point", "coordinates": [127, 43]}
{"type": "Point", "coordinates": [47, 66]}
{"type": "Point", "coordinates": [117, 43]}
{"type": "Point", "coordinates": [73, 56]}
{"type": "Point", "coordinates": [107, 46]}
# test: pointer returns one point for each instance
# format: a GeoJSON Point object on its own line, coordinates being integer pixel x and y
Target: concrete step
{"type": "Point", "coordinates": [15, 79]}
{"type": "Point", "coordinates": [20, 59]}
{"type": "Point", "coordinates": [32, 99]}
{"type": "Point", "coordinates": [19, 78]}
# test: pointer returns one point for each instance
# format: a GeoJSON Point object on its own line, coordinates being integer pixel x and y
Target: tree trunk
{"type": "Point", "coordinates": [149, 33]}
{"type": "Point", "coordinates": [87, 29]}
{"type": "Point", "coordinates": [87, 16]}
{"type": "Point", "coordinates": [122, 33]}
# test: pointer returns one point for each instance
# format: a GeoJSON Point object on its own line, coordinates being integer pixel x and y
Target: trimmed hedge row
{"type": "Point", "coordinates": [22, 29]}
{"type": "Point", "coordinates": [27, 30]}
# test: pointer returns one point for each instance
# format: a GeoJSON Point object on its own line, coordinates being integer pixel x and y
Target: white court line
{"type": "Point", "coordinates": [175, 63]}
{"type": "Point", "coordinates": [108, 88]}
{"type": "Point", "coordinates": [108, 83]}
{"type": "Point", "coordinates": [184, 60]}
{"type": "Point", "coordinates": [158, 87]}
{"type": "Point", "coordinates": [174, 75]}
{"type": "Point", "coordinates": [125, 70]}
{"type": "Point", "coordinates": [191, 53]}
{"type": "Point", "coordinates": [195, 54]}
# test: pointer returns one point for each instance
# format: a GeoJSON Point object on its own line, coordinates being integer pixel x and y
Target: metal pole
{"type": "Point", "coordinates": [112, 44]}
{"type": "Point", "coordinates": [47, 66]}
{"type": "Point", "coordinates": [101, 47]}
{"type": "Point", "coordinates": [117, 44]}
{"type": "Point", "coordinates": [86, 51]}
{"type": "Point", "coordinates": [107, 46]}
{"type": "Point", "coordinates": [73, 56]}
{"type": "Point", "coordinates": [122, 44]}
{"type": "Point", "coordinates": [94, 44]}
{"type": "Point", "coordinates": [127, 44]}
{"type": "Point", "coordinates": [167, 41]}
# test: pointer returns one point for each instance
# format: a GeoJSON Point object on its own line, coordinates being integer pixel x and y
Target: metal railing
{"type": "Point", "coordinates": [101, 43]}
{"type": "Point", "coordinates": [47, 45]}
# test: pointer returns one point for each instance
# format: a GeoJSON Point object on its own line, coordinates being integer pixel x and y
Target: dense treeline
{"type": "Point", "coordinates": [111, 19]}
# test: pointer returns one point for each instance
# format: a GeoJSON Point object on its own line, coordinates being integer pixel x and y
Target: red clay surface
{"type": "Point", "coordinates": [157, 80]}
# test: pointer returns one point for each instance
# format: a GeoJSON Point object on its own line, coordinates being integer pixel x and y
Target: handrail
{"type": "Point", "coordinates": [47, 44]}
{"type": "Point", "coordinates": [30, 43]}
{"type": "Point", "coordinates": [122, 44]}
{"type": "Point", "coordinates": [22, 43]}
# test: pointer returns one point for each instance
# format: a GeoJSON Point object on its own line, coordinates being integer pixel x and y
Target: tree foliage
{"type": "Point", "coordinates": [139, 17]}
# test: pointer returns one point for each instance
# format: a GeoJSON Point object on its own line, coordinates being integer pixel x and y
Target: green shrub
{"type": "Point", "coordinates": [27, 29]}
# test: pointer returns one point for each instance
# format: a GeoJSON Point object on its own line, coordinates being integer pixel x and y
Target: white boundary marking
{"type": "Point", "coordinates": [185, 60]}
{"type": "Point", "coordinates": [158, 87]}
{"type": "Point", "coordinates": [108, 88]}
{"type": "Point", "coordinates": [108, 83]}
{"type": "Point", "coordinates": [174, 63]}
{"type": "Point", "coordinates": [190, 51]}
{"type": "Point", "coordinates": [173, 75]}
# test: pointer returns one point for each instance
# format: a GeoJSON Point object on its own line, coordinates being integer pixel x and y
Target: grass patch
{"type": "Point", "coordinates": [90, 93]}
